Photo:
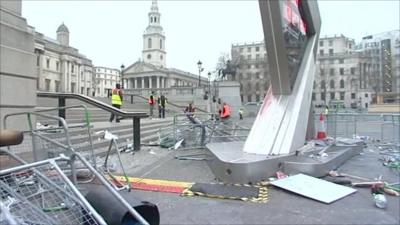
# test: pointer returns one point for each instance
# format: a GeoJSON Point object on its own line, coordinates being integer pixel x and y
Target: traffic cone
{"type": "Point", "coordinates": [321, 134]}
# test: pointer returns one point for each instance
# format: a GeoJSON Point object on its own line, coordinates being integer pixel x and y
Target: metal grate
{"type": "Point", "coordinates": [42, 195]}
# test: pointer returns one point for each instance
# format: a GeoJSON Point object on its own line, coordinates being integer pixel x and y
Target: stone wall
{"type": "Point", "coordinates": [17, 64]}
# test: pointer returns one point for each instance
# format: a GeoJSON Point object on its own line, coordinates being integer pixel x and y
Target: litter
{"type": "Point", "coordinates": [314, 188]}
{"type": "Point", "coordinates": [380, 201]}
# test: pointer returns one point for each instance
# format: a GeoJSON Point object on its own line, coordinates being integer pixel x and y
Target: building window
{"type": "Point", "coordinates": [322, 72]}
{"type": "Point", "coordinates": [330, 43]}
{"type": "Point", "coordinates": [323, 84]}
{"type": "Point", "coordinates": [241, 50]}
{"type": "Point", "coordinates": [332, 84]}
{"type": "Point", "coordinates": [323, 96]}
{"type": "Point", "coordinates": [313, 96]}
{"type": "Point", "coordinates": [149, 56]}
{"type": "Point", "coordinates": [57, 66]}
{"type": "Point", "coordinates": [332, 95]}
{"type": "Point", "coordinates": [47, 63]}
{"type": "Point", "coordinates": [149, 43]}
{"type": "Point", "coordinates": [257, 49]}
{"type": "Point", "coordinates": [257, 56]}
{"type": "Point", "coordinates": [341, 83]}
{"type": "Point", "coordinates": [321, 52]}
{"type": "Point", "coordinates": [321, 43]}
{"type": "Point", "coordinates": [72, 68]}
{"type": "Point", "coordinates": [330, 51]}
{"type": "Point", "coordinates": [38, 60]}
{"type": "Point", "coordinates": [257, 98]}
{"type": "Point", "coordinates": [257, 88]}
{"type": "Point", "coordinates": [342, 95]}
{"type": "Point", "coordinates": [248, 49]}
{"type": "Point", "coordinates": [341, 70]}
{"type": "Point", "coordinates": [249, 66]}
{"type": "Point", "coordinates": [160, 43]}
{"type": "Point", "coordinates": [353, 70]}
{"type": "Point", "coordinates": [332, 71]}
{"type": "Point", "coordinates": [248, 87]}
{"type": "Point", "coordinates": [366, 95]}
{"type": "Point", "coordinates": [341, 61]}
{"type": "Point", "coordinates": [57, 86]}
{"type": "Point", "coordinates": [248, 98]}
{"type": "Point", "coordinates": [248, 56]}
{"type": "Point", "coordinates": [353, 95]}
{"type": "Point", "coordinates": [47, 83]}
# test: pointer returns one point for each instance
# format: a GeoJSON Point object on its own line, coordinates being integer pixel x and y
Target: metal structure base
{"type": "Point", "coordinates": [230, 164]}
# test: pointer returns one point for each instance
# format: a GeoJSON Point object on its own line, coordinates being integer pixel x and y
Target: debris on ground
{"type": "Point", "coordinates": [313, 188]}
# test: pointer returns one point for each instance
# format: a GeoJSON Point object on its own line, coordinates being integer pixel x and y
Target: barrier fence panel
{"type": "Point", "coordinates": [383, 127]}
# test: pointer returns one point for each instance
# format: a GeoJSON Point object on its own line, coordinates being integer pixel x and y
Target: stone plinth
{"type": "Point", "coordinates": [229, 92]}
{"type": "Point", "coordinates": [17, 64]}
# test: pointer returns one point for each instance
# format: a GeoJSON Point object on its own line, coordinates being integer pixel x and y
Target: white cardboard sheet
{"type": "Point", "coordinates": [314, 188]}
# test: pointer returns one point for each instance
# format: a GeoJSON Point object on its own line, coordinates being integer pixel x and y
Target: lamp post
{"type": "Point", "coordinates": [122, 76]}
{"type": "Point", "coordinates": [209, 92]}
{"type": "Point", "coordinates": [199, 64]}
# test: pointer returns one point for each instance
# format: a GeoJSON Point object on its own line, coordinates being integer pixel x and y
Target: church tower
{"type": "Point", "coordinates": [154, 39]}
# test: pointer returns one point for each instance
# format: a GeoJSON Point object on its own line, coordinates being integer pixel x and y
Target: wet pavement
{"type": "Point", "coordinates": [282, 207]}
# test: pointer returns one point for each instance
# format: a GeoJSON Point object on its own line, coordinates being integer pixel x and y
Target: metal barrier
{"type": "Point", "coordinates": [48, 150]}
{"type": "Point", "coordinates": [383, 127]}
{"type": "Point", "coordinates": [136, 116]}
{"type": "Point", "coordinates": [198, 129]}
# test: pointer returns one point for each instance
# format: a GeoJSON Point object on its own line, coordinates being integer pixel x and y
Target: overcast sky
{"type": "Point", "coordinates": [110, 32]}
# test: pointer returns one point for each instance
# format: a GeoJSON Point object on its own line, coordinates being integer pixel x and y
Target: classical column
{"type": "Point", "coordinates": [79, 78]}
{"type": "Point", "coordinates": [135, 79]}
{"type": "Point", "coordinates": [158, 82]}
{"type": "Point", "coordinates": [163, 79]}
{"type": "Point", "coordinates": [150, 82]}
{"type": "Point", "coordinates": [142, 82]}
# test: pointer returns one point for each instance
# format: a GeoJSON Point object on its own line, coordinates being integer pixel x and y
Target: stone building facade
{"type": "Point", "coordinates": [384, 48]}
{"type": "Point", "coordinates": [252, 70]}
{"type": "Point", "coordinates": [105, 80]}
{"type": "Point", "coordinates": [151, 72]}
{"type": "Point", "coordinates": [60, 67]}
{"type": "Point", "coordinates": [343, 76]}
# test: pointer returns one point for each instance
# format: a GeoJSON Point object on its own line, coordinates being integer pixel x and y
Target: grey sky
{"type": "Point", "coordinates": [110, 32]}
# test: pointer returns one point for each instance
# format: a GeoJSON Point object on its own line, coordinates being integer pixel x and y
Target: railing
{"type": "Point", "coordinates": [136, 116]}
{"type": "Point", "coordinates": [383, 127]}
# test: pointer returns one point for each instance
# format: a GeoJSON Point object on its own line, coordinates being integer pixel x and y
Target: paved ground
{"type": "Point", "coordinates": [282, 208]}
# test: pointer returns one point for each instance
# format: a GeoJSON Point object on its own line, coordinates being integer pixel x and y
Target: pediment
{"type": "Point", "coordinates": [139, 68]}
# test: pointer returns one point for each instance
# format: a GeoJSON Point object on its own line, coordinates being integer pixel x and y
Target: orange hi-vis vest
{"type": "Point", "coordinates": [115, 98]}
{"type": "Point", "coordinates": [226, 112]}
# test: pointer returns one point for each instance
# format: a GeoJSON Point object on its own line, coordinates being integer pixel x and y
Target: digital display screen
{"type": "Point", "coordinates": [295, 35]}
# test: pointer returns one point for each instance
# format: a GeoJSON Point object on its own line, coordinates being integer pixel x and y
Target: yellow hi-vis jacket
{"type": "Point", "coordinates": [116, 98]}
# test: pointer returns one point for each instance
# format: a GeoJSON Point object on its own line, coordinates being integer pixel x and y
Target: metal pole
{"type": "Point", "coordinates": [61, 110]}
{"type": "Point", "coordinates": [136, 133]}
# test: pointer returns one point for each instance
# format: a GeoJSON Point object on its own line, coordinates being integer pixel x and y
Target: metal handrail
{"type": "Point", "coordinates": [94, 102]}
{"type": "Point", "coordinates": [136, 116]}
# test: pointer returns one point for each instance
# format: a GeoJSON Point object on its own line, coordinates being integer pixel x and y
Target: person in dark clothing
{"type": "Point", "coordinates": [189, 111]}
{"type": "Point", "coordinates": [162, 102]}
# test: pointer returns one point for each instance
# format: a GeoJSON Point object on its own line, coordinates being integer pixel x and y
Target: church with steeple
{"type": "Point", "coordinates": [151, 72]}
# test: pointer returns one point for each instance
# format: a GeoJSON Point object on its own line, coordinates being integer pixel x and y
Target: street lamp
{"type": "Point", "coordinates": [199, 64]}
{"type": "Point", "coordinates": [122, 76]}
{"type": "Point", "coordinates": [209, 92]}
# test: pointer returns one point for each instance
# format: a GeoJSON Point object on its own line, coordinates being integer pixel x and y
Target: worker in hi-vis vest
{"type": "Point", "coordinates": [225, 112]}
{"type": "Point", "coordinates": [116, 101]}
{"type": "Point", "coordinates": [152, 101]}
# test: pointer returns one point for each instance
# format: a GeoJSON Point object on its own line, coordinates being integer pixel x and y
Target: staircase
{"type": "Point", "coordinates": [99, 121]}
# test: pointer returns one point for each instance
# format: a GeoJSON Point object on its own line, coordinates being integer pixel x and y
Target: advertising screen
{"type": "Point", "coordinates": [295, 35]}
